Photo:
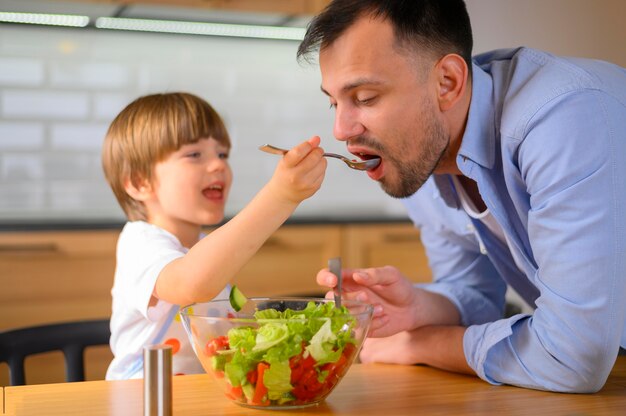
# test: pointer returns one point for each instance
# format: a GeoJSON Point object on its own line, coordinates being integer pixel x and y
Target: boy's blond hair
{"type": "Point", "coordinates": [146, 132]}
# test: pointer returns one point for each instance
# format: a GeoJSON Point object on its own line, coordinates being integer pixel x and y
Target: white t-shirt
{"type": "Point", "coordinates": [142, 251]}
{"type": "Point", "coordinates": [485, 216]}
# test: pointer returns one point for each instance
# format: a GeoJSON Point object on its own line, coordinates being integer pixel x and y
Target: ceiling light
{"type": "Point", "coordinates": [199, 28]}
{"type": "Point", "coordinates": [45, 19]}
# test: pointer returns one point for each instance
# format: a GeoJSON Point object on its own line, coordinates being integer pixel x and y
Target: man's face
{"type": "Point", "coordinates": [385, 103]}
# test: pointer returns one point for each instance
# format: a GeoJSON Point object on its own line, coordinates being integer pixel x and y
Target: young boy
{"type": "Point", "coordinates": [165, 157]}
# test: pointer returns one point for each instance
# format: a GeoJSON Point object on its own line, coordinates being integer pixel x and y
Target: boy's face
{"type": "Point", "coordinates": [190, 187]}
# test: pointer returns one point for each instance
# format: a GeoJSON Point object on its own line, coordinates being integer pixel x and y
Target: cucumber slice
{"type": "Point", "coordinates": [248, 391]}
{"type": "Point", "coordinates": [237, 299]}
{"type": "Point", "coordinates": [218, 362]}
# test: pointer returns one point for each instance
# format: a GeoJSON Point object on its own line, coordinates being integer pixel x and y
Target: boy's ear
{"type": "Point", "coordinates": [137, 188]}
{"type": "Point", "coordinates": [452, 77]}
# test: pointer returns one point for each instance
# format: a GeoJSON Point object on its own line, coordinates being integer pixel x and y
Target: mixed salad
{"type": "Point", "coordinates": [287, 357]}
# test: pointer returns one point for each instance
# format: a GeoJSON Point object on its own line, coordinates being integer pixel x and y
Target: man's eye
{"type": "Point", "coordinates": [366, 100]}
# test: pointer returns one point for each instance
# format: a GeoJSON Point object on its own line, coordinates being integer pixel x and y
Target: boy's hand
{"type": "Point", "coordinates": [300, 172]}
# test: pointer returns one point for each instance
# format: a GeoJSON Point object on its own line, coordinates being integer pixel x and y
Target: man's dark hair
{"type": "Point", "coordinates": [440, 26]}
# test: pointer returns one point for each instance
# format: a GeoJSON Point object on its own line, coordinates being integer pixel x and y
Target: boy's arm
{"type": "Point", "coordinates": [211, 263]}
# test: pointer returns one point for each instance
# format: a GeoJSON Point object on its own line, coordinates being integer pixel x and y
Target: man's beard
{"type": "Point", "coordinates": [413, 173]}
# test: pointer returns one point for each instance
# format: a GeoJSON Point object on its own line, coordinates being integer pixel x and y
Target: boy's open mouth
{"type": "Point", "coordinates": [215, 191]}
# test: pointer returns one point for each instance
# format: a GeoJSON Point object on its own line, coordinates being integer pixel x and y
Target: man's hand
{"type": "Point", "coordinates": [398, 304]}
{"type": "Point", "coordinates": [438, 346]}
{"type": "Point", "coordinates": [392, 294]}
{"type": "Point", "coordinates": [401, 348]}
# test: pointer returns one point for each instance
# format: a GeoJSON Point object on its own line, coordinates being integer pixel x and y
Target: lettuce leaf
{"type": "Point", "coordinates": [322, 345]}
{"type": "Point", "coordinates": [277, 379]}
{"type": "Point", "coordinates": [269, 335]}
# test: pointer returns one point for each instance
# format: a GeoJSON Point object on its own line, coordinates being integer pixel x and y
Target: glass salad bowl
{"type": "Point", "coordinates": [282, 353]}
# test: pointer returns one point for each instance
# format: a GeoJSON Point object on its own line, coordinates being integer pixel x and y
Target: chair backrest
{"type": "Point", "coordinates": [69, 337]}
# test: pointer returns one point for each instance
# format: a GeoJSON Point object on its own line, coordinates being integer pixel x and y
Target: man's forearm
{"type": "Point", "coordinates": [438, 337]}
{"type": "Point", "coordinates": [434, 309]}
{"type": "Point", "coordinates": [441, 347]}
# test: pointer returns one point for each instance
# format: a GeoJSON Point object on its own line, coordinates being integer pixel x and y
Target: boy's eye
{"type": "Point", "coordinates": [193, 155]}
{"type": "Point", "coordinates": [223, 155]}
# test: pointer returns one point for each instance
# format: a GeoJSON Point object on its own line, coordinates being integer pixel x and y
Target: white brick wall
{"type": "Point", "coordinates": [23, 72]}
{"type": "Point", "coordinates": [89, 76]}
{"type": "Point", "coordinates": [21, 136]}
{"type": "Point", "coordinates": [107, 105]}
{"type": "Point", "coordinates": [44, 105]}
{"type": "Point", "coordinates": [20, 167]}
{"type": "Point", "coordinates": [83, 137]}
{"type": "Point", "coordinates": [24, 197]}
{"type": "Point", "coordinates": [60, 89]}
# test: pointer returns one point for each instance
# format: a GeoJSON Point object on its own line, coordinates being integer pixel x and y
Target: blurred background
{"type": "Point", "coordinates": [60, 87]}
{"type": "Point", "coordinates": [67, 68]}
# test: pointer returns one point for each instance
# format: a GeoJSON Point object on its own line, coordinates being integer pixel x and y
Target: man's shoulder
{"type": "Point", "coordinates": [527, 64]}
{"type": "Point", "coordinates": [525, 80]}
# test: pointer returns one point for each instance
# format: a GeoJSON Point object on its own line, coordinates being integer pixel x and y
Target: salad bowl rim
{"type": "Point", "coordinates": [368, 308]}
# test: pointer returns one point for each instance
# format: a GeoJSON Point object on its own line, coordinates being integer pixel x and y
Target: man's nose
{"type": "Point", "coordinates": [347, 124]}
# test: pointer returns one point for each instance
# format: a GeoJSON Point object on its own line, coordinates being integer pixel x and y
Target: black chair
{"type": "Point", "coordinates": [69, 337]}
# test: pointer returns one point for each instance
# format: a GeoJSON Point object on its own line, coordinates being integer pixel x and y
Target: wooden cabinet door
{"type": "Point", "coordinates": [289, 261]}
{"type": "Point", "coordinates": [53, 277]}
{"type": "Point", "coordinates": [386, 244]}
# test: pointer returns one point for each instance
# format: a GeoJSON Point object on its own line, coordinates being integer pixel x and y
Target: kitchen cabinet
{"type": "Point", "coordinates": [288, 262]}
{"type": "Point", "coordinates": [375, 245]}
{"type": "Point", "coordinates": [53, 276]}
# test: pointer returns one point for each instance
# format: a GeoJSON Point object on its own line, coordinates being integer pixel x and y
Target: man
{"type": "Point", "coordinates": [513, 166]}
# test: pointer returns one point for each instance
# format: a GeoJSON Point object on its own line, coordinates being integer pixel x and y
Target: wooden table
{"type": "Point", "coordinates": [373, 389]}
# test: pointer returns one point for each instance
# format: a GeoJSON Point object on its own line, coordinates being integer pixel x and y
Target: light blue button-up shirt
{"type": "Point", "coordinates": [546, 143]}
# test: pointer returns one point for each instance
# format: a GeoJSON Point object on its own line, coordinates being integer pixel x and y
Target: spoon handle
{"type": "Point", "coordinates": [268, 148]}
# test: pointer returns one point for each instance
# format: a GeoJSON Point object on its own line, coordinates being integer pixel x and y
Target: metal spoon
{"type": "Point", "coordinates": [354, 164]}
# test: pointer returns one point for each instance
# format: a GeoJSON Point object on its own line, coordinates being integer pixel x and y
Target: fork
{"type": "Point", "coordinates": [354, 164]}
{"type": "Point", "coordinates": [334, 266]}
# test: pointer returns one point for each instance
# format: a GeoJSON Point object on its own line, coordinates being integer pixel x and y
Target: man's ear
{"type": "Point", "coordinates": [452, 76]}
{"type": "Point", "coordinates": [138, 188]}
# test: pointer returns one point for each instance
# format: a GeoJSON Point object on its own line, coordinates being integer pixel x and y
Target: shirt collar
{"type": "Point", "coordinates": [479, 142]}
